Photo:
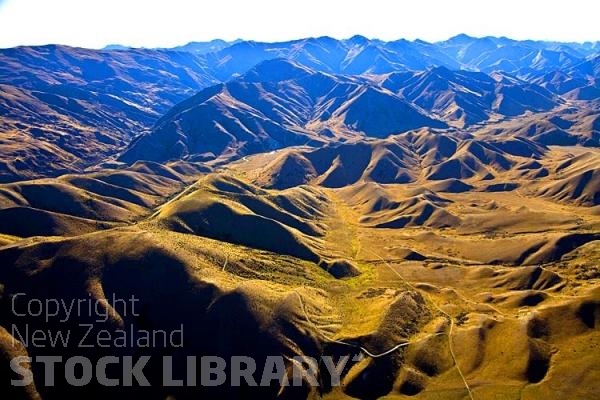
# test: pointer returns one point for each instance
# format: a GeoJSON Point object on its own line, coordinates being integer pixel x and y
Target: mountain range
{"type": "Point", "coordinates": [65, 109]}
{"type": "Point", "coordinates": [429, 212]}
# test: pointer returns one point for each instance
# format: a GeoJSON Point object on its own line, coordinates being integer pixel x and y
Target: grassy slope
{"type": "Point", "coordinates": [506, 321]}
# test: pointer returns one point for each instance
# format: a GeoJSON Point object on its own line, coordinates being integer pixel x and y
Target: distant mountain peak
{"type": "Point", "coordinates": [201, 48]}
{"type": "Point", "coordinates": [358, 40]}
{"type": "Point", "coordinates": [461, 38]}
{"type": "Point", "coordinates": [277, 69]}
{"type": "Point", "coordinates": [115, 47]}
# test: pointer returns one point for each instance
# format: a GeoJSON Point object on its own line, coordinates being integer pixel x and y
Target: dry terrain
{"type": "Point", "coordinates": [431, 210]}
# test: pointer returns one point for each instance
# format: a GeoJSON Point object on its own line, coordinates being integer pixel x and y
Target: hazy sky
{"type": "Point", "coordinates": [164, 23]}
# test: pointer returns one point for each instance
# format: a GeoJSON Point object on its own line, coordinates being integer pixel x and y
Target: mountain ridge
{"type": "Point", "coordinates": [75, 108]}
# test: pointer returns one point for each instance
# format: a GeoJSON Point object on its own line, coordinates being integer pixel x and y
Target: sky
{"type": "Point", "coordinates": [167, 23]}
